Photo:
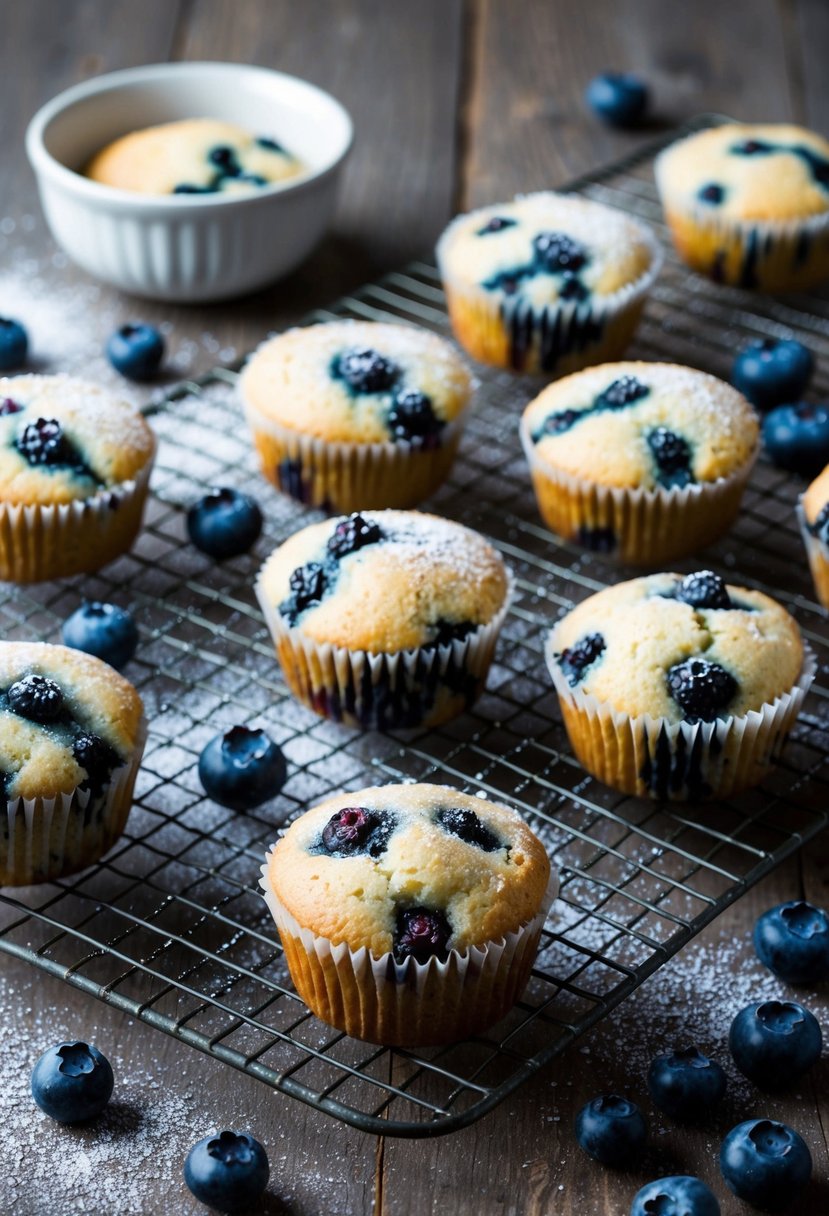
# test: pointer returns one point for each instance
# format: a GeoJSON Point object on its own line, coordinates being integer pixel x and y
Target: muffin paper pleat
{"type": "Point", "coordinates": [408, 1004]}
{"type": "Point", "coordinates": [637, 526]}
{"type": "Point", "coordinates": [46, 838]}
{"type": "Point", "coordinates": [561, 337]}
{"type": "Point", "coordinates": [345, 477]}
{"type": "Point", "coordinates": [39, 542]}
{"type": "Point", "coordinates": [420, 687]}
{"type": "Point", "coordinates": [818, 554]}
{"type": "Point", "coordinates": [677, 761]}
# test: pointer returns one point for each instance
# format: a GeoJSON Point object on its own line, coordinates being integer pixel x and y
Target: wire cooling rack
{"type": "Point", "coordinates": [171, 928]}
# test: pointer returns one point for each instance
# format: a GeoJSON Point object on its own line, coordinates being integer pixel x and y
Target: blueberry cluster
{"type": "Point", "coordinates": [308, 584]}
{"type": "Point", "coordinates": [411, 414]}
{"type": "Point", "coordinates": [618, 395]}
{"type": "Point", "coordinates": [554, 253]}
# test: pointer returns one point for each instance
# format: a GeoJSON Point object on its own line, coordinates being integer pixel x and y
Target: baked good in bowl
{"type": "Point", "coordinates": [71, 738]}
{"type": "Point", "coordinates": [679, 687]}
{"type": "Point", "coordinates": [813, 514]}
{"type": "Point", "coordinates": [349, 415]}
{"type": "Point", "coordinates": [546, 284]}
{"type": "Point", "coordinates": [646, 462]}
{"type": "Point", "coordinates": [75, 465]}
{"type": "Point", "coordinates": [409, 914]}
{"type": "Point", "coordinates": [193, 156]}
{"type": "Point", "coordinates": [385, 619]}
{"type": "Point", "coordinates": [748, 204]}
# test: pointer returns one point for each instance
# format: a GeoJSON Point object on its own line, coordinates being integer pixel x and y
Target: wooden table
{"type": "Point", "coordinates": [454, 104]}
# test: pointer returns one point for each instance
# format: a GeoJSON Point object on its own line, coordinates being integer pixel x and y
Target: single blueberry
{"type": "Point", "coordinates": [773, 371]}
{"type": "Point", "coordinates": [703, 690]}
{"type": "Point", "coordinates": [618, 98]}
{"type": "Point", "coordinates": [71, 1082]}
{"type": "Point", "coordinates": [575, 660]}
{"type": "Point", "coordinates": [465, 824]}
{"type": "Point", "coordinates": [136, 350]}
{"type": "Point", "coordinates": [366, 371]}
{"type": "Point", "coordinates": [307, 584]}
{"type": "Point", "coordinates": [445, 632]}
{"type": "Point", "coordinates": [497, 223]}
{"type": "Point", "coordinates": [681, 1195]}
{"type": "Point", "coordinates": [242, 768]}
{"type": "Point", "coordinates": [766, 1163]}
{"type": "Point", "coordinates": [621, 393]}
{"type": "Point", "coordinates": [612, 1130]}
{"type": "Point", "coordinates": [686, 1084]}
{"type": "Point", "coordinates": [8, 406]}
{"type": "Point", "coordinates": [421, 934]}
{"type": "Point", "coordinates": [792, 940]}
{"type": "Point", "coordinates": [96, 758]}
{"type": "Point", "coordinates": [412, 418]}
{"type": "Point", "coordinates": [796, 437]}
{"type": "Point", "coordinates": [43, 442]}
{"type": "Point", "coordinates": [189, 188]}
{"type": "Point", "coordinates": [224, 158]}
{"type": "Point", "coordinates": [558, 253]}
{"type": "Point", "coordinates": [703, 589]}
{"type": "Point", "coordinates": [752, 147]}
{"type": "Point", "coordinates": [104, 630]}
{"type": "Point", "coordinates": [713, 193]}
{"type": "Point", "coordinates": [14, 344]}
{"type": "Point", "coordinates": [559, 422]}
{"type": "Point", "coordinates": [269, 144]}
{"type": "Point", "coordinates": [775, 1042]}
{"type": "Point", "coordinates": [228, 1171]}
{"type": "Point", "coordinates": [672, 456]}
{"type": "Point", "coordinates": [354, 830]}
{"type": "Point", "coordinates": [224, 523]}
{"type": "Point", "coordinates": [36, 697]}
{"type": "Point", "coordinates": [352, 533]}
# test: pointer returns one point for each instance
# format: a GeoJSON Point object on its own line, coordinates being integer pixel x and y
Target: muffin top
{"type": "Point", "coordinates": [768, 172]}
{"type": "Point", "coordinates": [66, 719]}
{"type": "Point", "coordinates": [358, 382]}
{"type": "Point", "coordinates": [641, 424]}
{"type": "Point", "coordinates": [545, 248]}
{"type": "Point", "coordinates": [193, 156]}
{"type": "Point", "coordinates": [63, 439]}
{"type": "Point", "coordinates": [417, 869]}
{"type": "Point", "coordinates": [816, 506]}
{"type": "Point", "coordinates": [384, 581]}
{"type": "Point", "coordinates": [686, 649]}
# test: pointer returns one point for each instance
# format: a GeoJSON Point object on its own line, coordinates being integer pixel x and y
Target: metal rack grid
{"type": "Point", "coordinates": [170, 926]}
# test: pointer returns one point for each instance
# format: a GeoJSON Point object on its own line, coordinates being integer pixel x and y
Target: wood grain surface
{"type": "Point", "coordinates": [454, 105]}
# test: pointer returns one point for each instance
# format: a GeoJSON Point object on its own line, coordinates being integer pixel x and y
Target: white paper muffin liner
{"type": "Point", "coordinates": [410, 1003]}
{"type": "Point", "coordinates": [635, 525]}
{"type": "Point", "coordinates": [409, 688]}
{"type": "Point", "coordinates": [345, 477]}
{"type": "Point", "coordinates": [45, 838]}
{"type": "Point", "coordinates": [39, 542]}
{"type": "Point", "coordinates": [557, 339]}
{"type": "Point", "coordinates": [676, 761]}
{"type": "Point", "coordinates": [818, 554]}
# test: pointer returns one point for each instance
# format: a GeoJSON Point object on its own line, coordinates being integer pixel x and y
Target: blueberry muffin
{"type": "Point", "coordinates": [75, 466]}
{"type": "Point", "coordinates": [193, 156]}
{"type": "Point", "coordinates": [409, 914]}
{"type": "Point", "coordinates": [385, 619]}
{"type": "Point", "coordinates": [813, 513]}
{"type": "Point", "coordinates": [71, 738]}
{"type": "Point", "coordinates": [546, 284]}
{"type": "Point", "coordinates": [644, 461]}
{"type": "Point", "coordinates": [749, 205]}
{"type": "Point", "coordinates": [356, 414]}
{"type": "Point", "coordinates": [679, 687]}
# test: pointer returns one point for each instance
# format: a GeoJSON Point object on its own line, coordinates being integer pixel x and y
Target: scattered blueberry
{"type": "Point", "coordinates": [713, 193]}
{"type": "Point", "coordinates": [792, 940]}
{"type": "Point", "coordinates": [773, 371]}
{"type": "Point", "coordinates": [136, 351]}
{"type": "Point", "coordinates": [775, 1042]}
{"type": "Point", "coordinates": [765, 1163]}
{"type": "Point", "coordinates": [412, 418]}
{"type": "Point", "coordinates": [704, 589]}
{"type": "Point", "coordinates": [465, 824]}
{"type": "Point", "coordinates": [612, 1130]}
{"type": "Point", "coordinates": [228, 1172]}
{"type": "Point", "coordinates": [796, 437]}
{"type": "Point", "coordinates": [421, 934]}
{"type": "Point", "coordinates": [703, 690]}
{"type": "Point", "coordinates": [242, 768]}
{"type": "Point", "coordinates": [617, 97]}
{"type": "Point", "coordinates": [672, 455]}
{"type": "Point", "coordinates": [224, 523]}
{"type": "Point", "coordinates": [71, 1082]}
{"type": "Point", "coordinates": [557, 252]}
{"type": "Point", "coordinates": [36, 697]}
{"type": "Point", "coordinates": [682, 1195]}
{"type": "Point", "coordinates": [366, 371]}
{"type": "Point", "coordinates": [104, 630]}
{"type": "Point", "coordinates": [575, 660]}
{"type": "Point", "coordinates": [14, 344]}
{"type": "Point", "coordinates": [686, 1084]}
{"type": "Point", "coordinates": [352, 534]}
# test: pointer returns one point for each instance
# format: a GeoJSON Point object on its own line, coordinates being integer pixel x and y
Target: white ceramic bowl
{"type": "Point", "coordinates": [188, 247]}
